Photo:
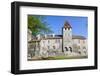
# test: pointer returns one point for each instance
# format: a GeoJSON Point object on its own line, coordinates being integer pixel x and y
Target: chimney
{"type": "Point", "coordinates": [53, 35]}
{"type": "Point", "coordinates": [38, 36]}
{"type": "Point", "coordinates": [45, 36]}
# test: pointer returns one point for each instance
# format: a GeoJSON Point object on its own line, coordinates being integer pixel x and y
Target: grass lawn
{"type": "Point", "coordinates": [66, 57]}
{"type": "Point", "coordinates": [60, 58]}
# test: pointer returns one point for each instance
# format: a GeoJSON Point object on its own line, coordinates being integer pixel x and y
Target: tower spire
{"type": "Point", "coordinates": [67, 25]}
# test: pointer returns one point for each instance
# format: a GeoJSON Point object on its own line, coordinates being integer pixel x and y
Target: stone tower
{"type": "Point", "coordinates": [67, 37]}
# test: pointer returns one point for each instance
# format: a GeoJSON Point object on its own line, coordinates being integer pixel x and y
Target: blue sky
{"type": "Point", "coordinates": [79, 24]}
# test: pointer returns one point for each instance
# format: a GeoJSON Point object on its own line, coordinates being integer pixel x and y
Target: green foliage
{"type": "Point", "coordinates": [37, 25]}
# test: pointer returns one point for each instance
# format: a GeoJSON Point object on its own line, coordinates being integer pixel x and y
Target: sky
{"type": "Point", "coordinates": [79, 24]}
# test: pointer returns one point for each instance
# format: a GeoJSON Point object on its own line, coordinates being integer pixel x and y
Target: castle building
{"type": "Point", "coordinates": [62, 44]}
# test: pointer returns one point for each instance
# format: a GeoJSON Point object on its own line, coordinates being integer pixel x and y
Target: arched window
{"type": "Point", "coordinates": [70, 49]}
{"type": "Point", "coordinates": [66, 48]}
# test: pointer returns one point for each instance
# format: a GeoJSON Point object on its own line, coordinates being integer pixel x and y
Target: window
{"type": "Point", "coordinates": [78, 41]}
{"type": "Point", "coordinates": [57, 40]}
{"type": "Point", "coordinates": [48, 47]}
{"type": "Point", "coordinates": [43, 42]}
{"type": "Point", "coordinates": [83, 41]}
{"type": "Point", "coordinates": [78, 47]}
{"type": "Point", "coordinates": [48, 41]}
{"type": "Point", "coordinates": [84, 47]}
{"type": "Point", "coordinates": [70, 49]}
{"type": "Point", "coordinates": [53, 47]}
{"type": "Point", "coordinates": [66, 48]}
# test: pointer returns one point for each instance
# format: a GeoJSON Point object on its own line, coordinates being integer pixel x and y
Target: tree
{"type": "Point", "coordinates": [37, 25]}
